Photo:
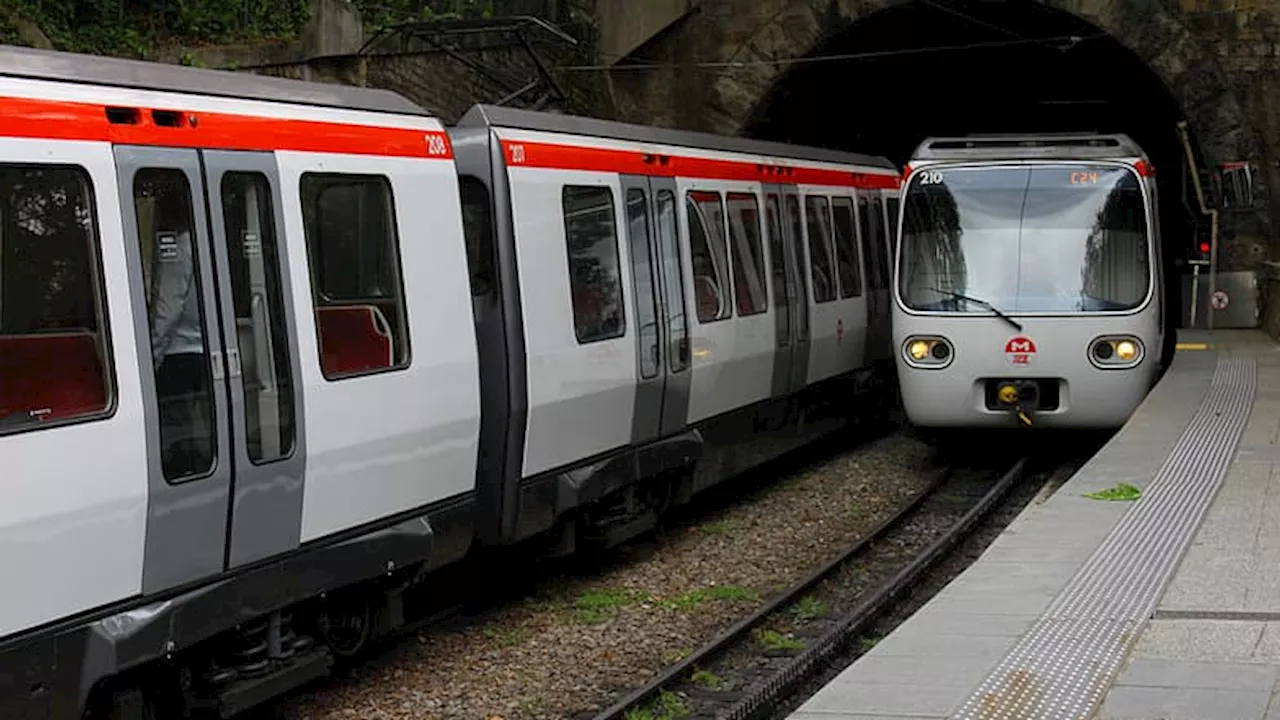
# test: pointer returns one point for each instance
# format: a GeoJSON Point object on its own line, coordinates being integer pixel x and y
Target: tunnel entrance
{"type": "Point", "coordinates": [924, 68]}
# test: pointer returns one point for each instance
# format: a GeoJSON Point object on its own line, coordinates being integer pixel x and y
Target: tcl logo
{"type": "Point", "coordinates": [1020, 350]}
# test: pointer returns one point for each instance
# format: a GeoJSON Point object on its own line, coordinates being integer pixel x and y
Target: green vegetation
{"type": "Point", "coordinates": [667, 706]}
{"type": "Point", "coordinates": [694, 598]}
{"type": "Point", "coordinates": [593, 606]}
{"type": "Point", "coordinates": [774, 640]}
{"type": "Point", "coordinates": [808, 608]}
{"type": "Point", "coordinates": [1122, 491]}
{"type": "Point", "coordinates": [707, 679]}
{"type": "Point", "coordinates": [131, 28]}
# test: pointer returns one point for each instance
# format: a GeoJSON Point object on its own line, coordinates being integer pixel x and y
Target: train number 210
{"type": "Point", "coordinates": [930, 177]}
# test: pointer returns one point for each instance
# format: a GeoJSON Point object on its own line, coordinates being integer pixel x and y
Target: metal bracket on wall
{"type": "Point", "coordinates": [464, 39]}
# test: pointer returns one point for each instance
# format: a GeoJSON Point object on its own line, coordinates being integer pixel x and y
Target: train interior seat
{"type": "Point", "coordinates": [50, 376]}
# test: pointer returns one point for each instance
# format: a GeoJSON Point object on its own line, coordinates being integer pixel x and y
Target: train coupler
{"type": "Point", "coordinates": [1011, 396]}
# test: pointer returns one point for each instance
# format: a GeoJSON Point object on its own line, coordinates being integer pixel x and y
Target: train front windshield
{"type": "Point", "coordinates": [1055, 238]}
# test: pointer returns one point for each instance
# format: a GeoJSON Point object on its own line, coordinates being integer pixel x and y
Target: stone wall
{"type": "Point", "coordinates": [1220, 59]}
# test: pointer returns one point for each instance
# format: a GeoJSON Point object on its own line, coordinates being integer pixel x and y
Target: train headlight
{"type": "Point", "coordinates": [927, 352]}
{"type": "Point", "coordinates": [1115, 352]}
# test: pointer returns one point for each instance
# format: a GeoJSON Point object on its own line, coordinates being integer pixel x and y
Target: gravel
{"type": "Point", "coordinates": [576, 643]}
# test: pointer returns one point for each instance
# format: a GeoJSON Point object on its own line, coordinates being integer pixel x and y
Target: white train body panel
{"type": "Point", "coordinates": [580, 395]}
{"type": "Point", "coordinates": [1089, 397]}
{"type": "Point", "coordinates": [74, 510]}
{"type": "Point", "coordinates": [381, 444]}
{"type": "Point", "coordinates": [732, 359]}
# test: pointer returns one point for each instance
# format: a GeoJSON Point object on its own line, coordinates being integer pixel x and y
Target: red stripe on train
{"type": "Point", "coordinates": [58, 120]}
{"type": "Point", "coordinates": [630, 162]}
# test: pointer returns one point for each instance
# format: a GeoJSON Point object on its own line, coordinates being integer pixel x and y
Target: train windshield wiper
{"type": "Point", "coordinates": [983, 303]}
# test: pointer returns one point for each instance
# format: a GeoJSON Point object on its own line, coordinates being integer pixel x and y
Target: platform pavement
{"type": "Point", "coordinates": [1211, 649]}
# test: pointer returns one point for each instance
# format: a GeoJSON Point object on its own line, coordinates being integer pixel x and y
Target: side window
{"type": "Point", "coordinates": [673, 281]}
{"type": "Point", "coordinates": [817, 211]}
{"type": "Point", "coordinates": [53, 339]}
{"type": "Point", "coordinates": [709, 255]}
{"type": "Point", "coordinates": [748, 254]}
{"type": "Point", "coordinates": [477, 227]}
{"type": "Point", "coordinates": [179, 347]}
{"type": "Point", "coordinates": [846, 248]}
{"type": "Point", "coordinates": [642, 277]}
{"type": "Point", "coordinates": [352, 243]}
{"type": "Point", "coordinates": [254, 261]}
{"type": "Point", "coordinates": [595, 281]}
{"type": "Point", "coordinates": [777, 257]}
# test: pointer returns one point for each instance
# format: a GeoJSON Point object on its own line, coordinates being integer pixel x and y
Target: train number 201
{"type": "Point", "coordinates": [930, 177]}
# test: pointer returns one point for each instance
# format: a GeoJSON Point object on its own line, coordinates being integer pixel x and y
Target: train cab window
{"type": "Point", "coordinates": [846, 248]}
{"type": "Point", "coordinates": [709, 255]}
{"type": "Point", "coordinates": [748, 254]}
{"type": "Point", "coordinates": [477, 226]}
{"type": "Point", "coordinates": [254, 261]}
{"type": "Point", "coordinates": [646, 285]}
{"type": "Point", "coordinates": [54, 354]}
{"type": "Point", "coordinates": [350, 227]}
{"type": "Point", "coordinates": [673, 281]}
{"type": "Point", "coordinates": [595, 279]}
{"type": "Point", "coordinates": [179, 338]}
{"type": "Point", "coordinates": [817, 211]}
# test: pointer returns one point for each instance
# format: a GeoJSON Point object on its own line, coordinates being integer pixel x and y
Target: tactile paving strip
{"type": "Point", "coordinates": [1061, 669]}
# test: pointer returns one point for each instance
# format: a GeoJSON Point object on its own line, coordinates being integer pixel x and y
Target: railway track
{"type": "Point", "coordinates": [753, 667]}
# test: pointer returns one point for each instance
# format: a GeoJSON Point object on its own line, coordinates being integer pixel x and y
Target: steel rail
{"type": "Point", "coordinates": [728, 637]}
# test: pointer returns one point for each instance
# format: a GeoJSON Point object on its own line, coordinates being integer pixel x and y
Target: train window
{"type": "Point", "coordinates": [673, 281]}
{"type": "Point", "coordinates": [477, 226]}
{"type": "Point", "coordinates": [254, 261]}
{"type": "Point", "coordinates": [350, 228]}
{"type": "Point", "coordinates": [748, 254]}
{"type": "Point", "coordinates": [54, 354]}
{"type": "Point", "coordinates": [776, 250]}
{"type": "Point", "coordinates": [709, 255]}
{"type": "Point", "coordinates": [595, 280]}
{"type": "Point", "coordinates": [646, 285]}
{"type": "Point", "coordinates": [179, 340]}
{"type": "Point", "coordinates": [846, 248]}
{"type": "Point", "coordinates": [818, 222]}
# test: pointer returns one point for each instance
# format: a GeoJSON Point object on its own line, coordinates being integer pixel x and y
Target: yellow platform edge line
{"type": "Point", "coordinates": [1192, 346]}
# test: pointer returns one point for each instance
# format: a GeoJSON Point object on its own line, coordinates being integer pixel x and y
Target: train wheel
{"type": "Point", "coordinates": [345, 625]}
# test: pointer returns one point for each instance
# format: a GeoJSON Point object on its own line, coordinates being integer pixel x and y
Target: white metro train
{"type": "Point", "coordinates": [1028, 283]}
{"type": "Point", "coordinates": [271, 352]}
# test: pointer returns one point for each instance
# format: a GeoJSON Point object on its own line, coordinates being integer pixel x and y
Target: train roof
{"type": "Point", "coordinates": [1041, 146]}
{"type": "Point", "coordinates": [516, 119]}
{"type": "Point", "coordinates": [21, 62]}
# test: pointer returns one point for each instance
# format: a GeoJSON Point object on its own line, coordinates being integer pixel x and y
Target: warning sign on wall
{"type": "Point", "coordinates": [1219, 300]}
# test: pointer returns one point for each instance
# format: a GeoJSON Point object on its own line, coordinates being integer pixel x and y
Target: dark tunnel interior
{"type": "Point", "coordinates": [955, 67]}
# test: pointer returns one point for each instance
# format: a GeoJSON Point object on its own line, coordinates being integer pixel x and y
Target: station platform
{"type": "Point", "coordinates": [1163, 608]}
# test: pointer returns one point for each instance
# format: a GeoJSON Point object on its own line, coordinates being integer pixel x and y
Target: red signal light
{"type": "Point", "coordinates": [1204, 248]}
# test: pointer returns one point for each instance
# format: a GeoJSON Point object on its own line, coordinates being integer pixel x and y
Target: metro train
{"type": "Point", "coordinates": [1028, 283]}
{"type": "Point", "coordinates": [274, 352]}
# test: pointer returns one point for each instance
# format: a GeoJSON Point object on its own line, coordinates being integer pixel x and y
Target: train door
{"type": "Point", "coordinates": [224, 467]}
{"type": "Point", "coordinates": [792, 346]}
{"type": "Point", "coordinates": [662, 368]}
{"type": "Point", "coordinates": [871, 227]}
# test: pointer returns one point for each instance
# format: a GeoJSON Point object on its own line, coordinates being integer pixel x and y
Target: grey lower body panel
{"type": "Point", "coordinates": [1062, 667]}
{"type": "Point", "coordinates": [50, 673]}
